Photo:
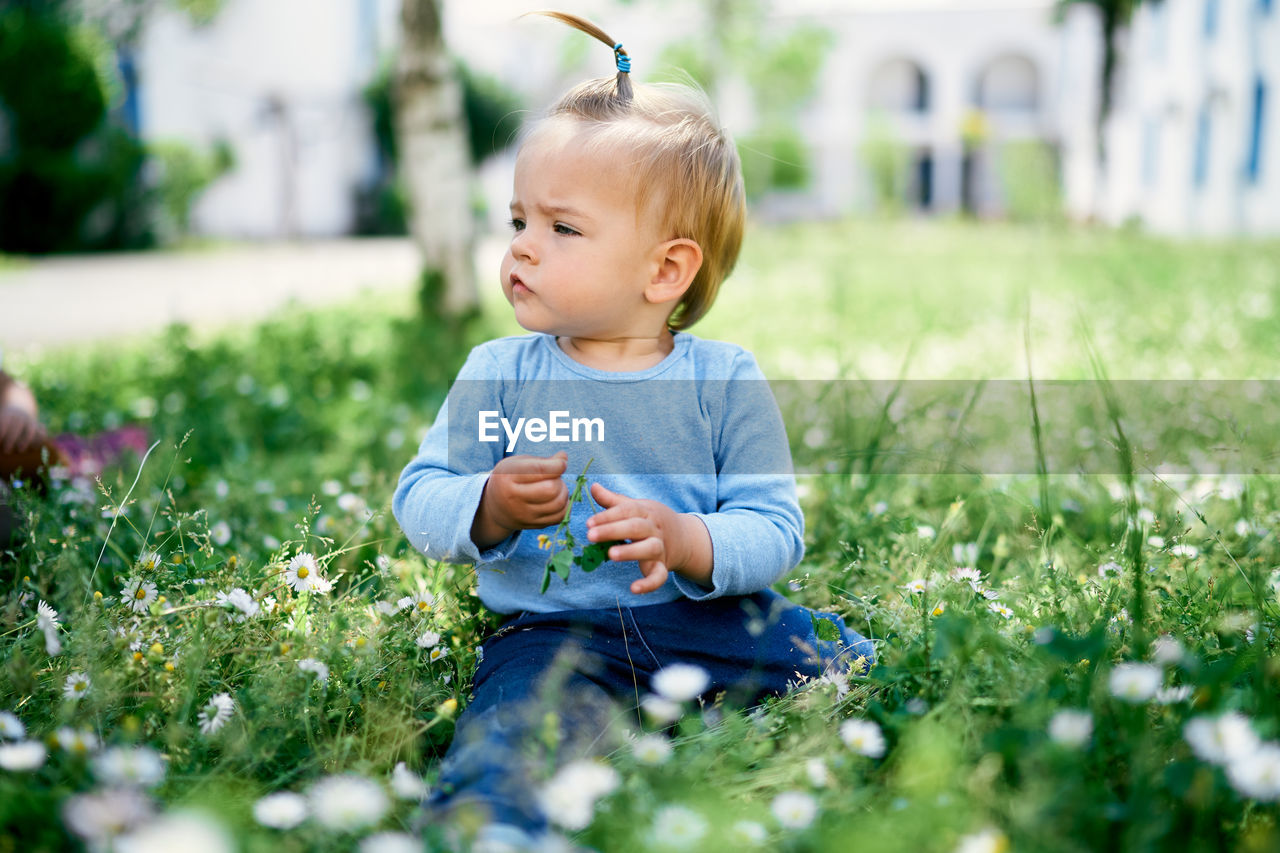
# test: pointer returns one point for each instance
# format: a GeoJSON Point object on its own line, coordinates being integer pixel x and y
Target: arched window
{"type": "Point", "coordinates": [1009, 83]}
{"type": "Point", "coordinates": [899, 86]}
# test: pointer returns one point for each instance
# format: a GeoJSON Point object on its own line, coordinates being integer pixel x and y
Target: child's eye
{"type": "Point", "coordinates": [561, 228]}
{"type": "Point", "coordinates": [516, 224]}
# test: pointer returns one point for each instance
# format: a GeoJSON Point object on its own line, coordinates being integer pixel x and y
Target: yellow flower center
{"type": "Point", "coordinates": [157, 649]}
{"type": "Point", "coordinates": [168, 665]}
{"type": "Point", "coordinates": [422, 605]}
{"type": "Point", "coordinates": [140, 594]}
{"type": "Point", "coordinates": [361, 642]}
{"type": "Point", "coordinates": [137, 655]}
{"type": "Point", "coordinates": [302, 572]}
{"type": "Point", "coordinates": [80, 686]}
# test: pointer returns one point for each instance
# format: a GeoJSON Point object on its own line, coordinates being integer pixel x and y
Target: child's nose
{"type": "Point", "coordinates": [522, 246]}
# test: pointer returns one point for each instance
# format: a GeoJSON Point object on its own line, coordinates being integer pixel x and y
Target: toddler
{"type": "Point", "coordinates": [627, 214]}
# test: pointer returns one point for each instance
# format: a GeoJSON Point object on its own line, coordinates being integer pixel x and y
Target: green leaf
{"type": "Point", "coordinates": [561, 562]}
{"type": "Point", "coordinates": [825, 629]}
{"type": "Point", "coordinates": [546, 579]}
{"type": "Point", "coordinates": [593, 555]}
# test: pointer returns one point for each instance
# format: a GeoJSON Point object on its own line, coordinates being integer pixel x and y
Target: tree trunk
{"type": "Point", "coordinates": [434, 161]}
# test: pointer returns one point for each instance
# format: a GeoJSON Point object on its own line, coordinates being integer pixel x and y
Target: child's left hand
{"type": "Point", "coordinates": [657, 534]}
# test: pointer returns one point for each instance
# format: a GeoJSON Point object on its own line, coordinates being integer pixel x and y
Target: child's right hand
{"type": "Point", "coordinates": [522, 493]}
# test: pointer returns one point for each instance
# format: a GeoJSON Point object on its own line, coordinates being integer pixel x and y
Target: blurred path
{"type": "Point", "coordinates": [74, 299]}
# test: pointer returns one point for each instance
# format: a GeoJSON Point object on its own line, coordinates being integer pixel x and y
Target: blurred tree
{"type": "Point", "coordinates": [1113, 17]}
{"type": "Point", "coordinates": [780, 67]}
{"type": "Point", "coordinates": [434, 161]}
{"type": "Point", "coordinates": [493, 118]}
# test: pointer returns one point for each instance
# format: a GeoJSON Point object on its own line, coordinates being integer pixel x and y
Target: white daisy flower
{"type": "Point", "coordinates": [816, 770]}
{"type": "Point", "coordinates": [421, 603]}
{"type": "Point", "coordinates": [1071, 728]}
{"type": "Point", "coordinates": [428, 640]}
{"type": "Point", "coordinates": [1184, 550]}
{"type": "Point", "coordinates": [1110, 569]}
{"type": "Point", "coordinates": [999, 609]}
{"type": "Point", "coordinates": [966, 574]}
{"type": "Point", "coordinates": [404, 603]}
{"type": "Point", "coordinates": [46, 616]}
{"type": "Point", "coordinates": [137, 767]}
{"type": "Point", "coordinates": [281, 810]}
{"type": "Point", "coordinates": [651, 749]}
{"type": "Point", "coordinates": [1156, 542]}
{"type": "Point", "coordinates": [438, 653]}
{"type": "Point", "coordinates": [150, 561]}
{"type": "Point", "coordinates": [1135, 682]}
{"type": "Point", "coordinates": [347, 802]}
{"type": "Point", "coordinates": [80, 742]}
{"type": "Point", "coordinates": [406, 784]}
{"type": "Point", "coordinates": [678, 827]}
{"type": "Point", "coordinates": [794, 809]}
{"type": "Point", "coordinates": [332, 488]}
{"type": "Point", "coordinates": [1173, 695]}
{"type": "Point", "coordinates": [138, 594]}
{"type": "Point", "coordinates": [315, 667]}
{"type": "Point", "coordinates": [680, 682]}
{"type": "Point", "coordinates": [220, 533]}
{"type": "Point", "coordinates": [916, 585]}
{"type": "Point", "coordinates": [191, 831]}
{"type": "Point", "coordinates": [1256, 774]}
{"type": "Point", "coordinates": [352, 503]}
{"type": "Point", "coordinates": [747, 833]}
{"type": "Point", "coordinates": [863, 737]}
{"type": "Point", "coordinates": [22, 756]}
{"type": "Point", "coordinates": [101, 816]}
{"type": "Point", "coordinates": [241, 601]}
{"type": "Point", "coordinates": [47, 622]}
{"type": "Point", "coordinates": [926, 531]}
{"type": "Point", "coordinates": [392, 842]}
{"type": "Point", "coordinates": [569, 797]}
{"type": "Point", "coordinates": [661, 710]}
{"type": "Point", "coordinates": [214, 715]}
{"type": "Point", "coordinates": [302, 575]}
{"type": "Point", "coordinates": [987, 841]}
{"type": "Point", "coordinates": [1221, 739]}
{"type": "Point", "coordinates": [11, 727]}
{"type": "Point", "coordinates": [386, 608]}
{"type": "Point", "coordinates": [1166, 650]}
{"type": "Point", "coordinates": [76, 685]}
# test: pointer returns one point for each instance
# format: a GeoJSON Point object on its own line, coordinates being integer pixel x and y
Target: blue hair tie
{"type": "Point", "coordinates": [624, 61]}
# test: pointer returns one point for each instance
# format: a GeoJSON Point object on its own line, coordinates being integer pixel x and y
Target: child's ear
{"type": "Point", "coordinates": [678, 262]}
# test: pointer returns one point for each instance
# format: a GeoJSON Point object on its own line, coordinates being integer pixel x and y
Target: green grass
{"type": "Point", "coordinates": [274, 436]}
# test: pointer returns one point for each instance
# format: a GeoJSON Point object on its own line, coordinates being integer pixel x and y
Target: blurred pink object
{"type": "Point", "coordinates": [86, 456]}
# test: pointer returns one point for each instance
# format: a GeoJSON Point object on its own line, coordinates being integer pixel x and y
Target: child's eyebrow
{"type": "Point", "coordinates": [556, 210]}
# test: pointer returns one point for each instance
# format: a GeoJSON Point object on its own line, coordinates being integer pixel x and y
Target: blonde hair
{"type": "Point", "coordinates": [685, 165]}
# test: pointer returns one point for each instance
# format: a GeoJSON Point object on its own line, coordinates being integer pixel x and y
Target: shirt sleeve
{"type": "Point", "coordinates": [757, 530]}
{"type": "Point", "coordinates": [436, 500]}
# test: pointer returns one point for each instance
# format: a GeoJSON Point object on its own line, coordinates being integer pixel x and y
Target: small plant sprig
{"type": "Point", "coordinates": [562, 544]}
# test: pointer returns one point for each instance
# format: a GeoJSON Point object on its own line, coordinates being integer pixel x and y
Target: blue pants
{"type": "Point", "coordinates": [553, 687]}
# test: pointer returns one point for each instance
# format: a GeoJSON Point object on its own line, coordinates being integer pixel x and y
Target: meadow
{"type": "Point", "coordinates": [229, 644]}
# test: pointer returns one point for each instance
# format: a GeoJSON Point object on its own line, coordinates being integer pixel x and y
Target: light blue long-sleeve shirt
{"type": "Point", "coordinates": [699, 432]}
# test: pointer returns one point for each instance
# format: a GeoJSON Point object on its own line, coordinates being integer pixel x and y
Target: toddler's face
{"type": "Point", "coordinates": [579, 258]}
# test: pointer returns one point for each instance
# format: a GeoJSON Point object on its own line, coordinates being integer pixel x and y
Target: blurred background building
{"type": "Point", "coordinates": [982, 107]}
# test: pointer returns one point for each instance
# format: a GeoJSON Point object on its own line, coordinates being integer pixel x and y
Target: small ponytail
{"type": "Point", "coordinates": [620, 56]}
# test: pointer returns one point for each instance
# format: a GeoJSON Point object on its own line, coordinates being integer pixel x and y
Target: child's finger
{"type": "Point", "coordinates": [645, 549]}
{"type": "Point", "coordinates": [634, 528]}
{"type": "Point", "coordinates": [527, 469]}
{"type": "Point", "coordinates": [653, 579]}
{"type": "Point", "coordinates": [604, 497]}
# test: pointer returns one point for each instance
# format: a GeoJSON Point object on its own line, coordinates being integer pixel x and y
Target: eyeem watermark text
{"type": "Point", "coordinates": [558, 426]}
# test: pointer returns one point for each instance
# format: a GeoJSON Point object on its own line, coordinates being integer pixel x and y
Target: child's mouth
{"type": "Point", "coordinates": [518, 286]}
